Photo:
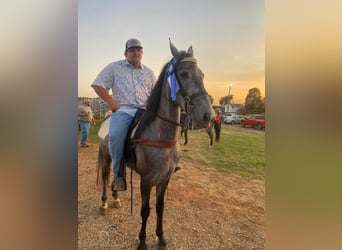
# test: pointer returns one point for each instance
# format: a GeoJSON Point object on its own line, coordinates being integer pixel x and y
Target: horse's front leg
{"type": "Point", "coordinates": [145, 190]}
{"type": "Point", "coordinates": [160, 193]}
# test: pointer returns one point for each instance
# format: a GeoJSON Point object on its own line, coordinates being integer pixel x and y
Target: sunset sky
{"type": "Point", "coordinates": [228, 38]}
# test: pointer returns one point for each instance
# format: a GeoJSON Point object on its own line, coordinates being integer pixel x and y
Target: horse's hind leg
{"type": "Point", "coordinates": [160, 193]}
{"type": "Point", "coordinates": [117, 202]}
{"type": "Point", "coordinates": [210, 133]}
{"type": "Point", "coordinates": [186, 136]}
{"type": "Point", "coordinates": [105, 179]}
{"type": "Point", "coordinates": [145, 190]}
{"type": "Point", "coordinates": [104, 204]}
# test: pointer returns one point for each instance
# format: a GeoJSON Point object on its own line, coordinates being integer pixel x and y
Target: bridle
{"type": "Point", "coordinates": [171, 70]}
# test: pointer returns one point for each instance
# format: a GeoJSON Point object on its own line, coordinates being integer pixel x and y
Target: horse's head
{"type": "Point", "coordinates": [189, 92]}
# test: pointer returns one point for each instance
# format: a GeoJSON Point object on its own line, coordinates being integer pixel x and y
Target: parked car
{"type": "Point", "coordinates": [224, 116]}
{"type": "Point", "coordinates": [234, 119]}
{"type": "Point", "coordinates": [253, 120]}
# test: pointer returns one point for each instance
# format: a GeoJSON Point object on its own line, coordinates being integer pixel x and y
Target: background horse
{"type": "Point", "coordinates": [156, 150]}
{"type": "Point", "coordinates": [186, 126]}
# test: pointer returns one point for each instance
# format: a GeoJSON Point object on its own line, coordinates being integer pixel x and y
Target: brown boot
{"type": "Point", "coordinates": [119, 185]}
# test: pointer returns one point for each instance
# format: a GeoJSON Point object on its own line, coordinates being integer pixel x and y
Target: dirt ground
{"type": "Point", "coordinates": [204, 209]}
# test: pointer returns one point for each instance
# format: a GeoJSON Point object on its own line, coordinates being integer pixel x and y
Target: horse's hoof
{"type": "Point", "coordinates": [104, 205]}
{"type": "Point", "coordinates": [162, 244]}
{"type": "Point", "coordinates": [162, 247]}
{"type": "Point", "coordinates": [104, 209]}
{"type": "Point", "coordinates": [117, 203]}
{"type": "Point", "coordinates": [142, 246]}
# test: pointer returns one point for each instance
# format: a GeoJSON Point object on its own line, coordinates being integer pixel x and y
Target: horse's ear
{"type": "Point", "coordinates": [190, 51]}
{"type": "Point", "coordinates": [174, 50]}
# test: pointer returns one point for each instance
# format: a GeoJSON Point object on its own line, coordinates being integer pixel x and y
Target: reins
{"type": "Point", "coordinates": [169, 121]}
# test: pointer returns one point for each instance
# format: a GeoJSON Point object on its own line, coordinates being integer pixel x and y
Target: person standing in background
{"type": "Point", "coordinates": [217, 125]}
{"type": "Point", "coordinates": [85, 118]}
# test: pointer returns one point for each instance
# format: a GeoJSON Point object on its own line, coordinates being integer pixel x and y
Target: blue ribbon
{"type": "Point", "coordinates": [172, 80]}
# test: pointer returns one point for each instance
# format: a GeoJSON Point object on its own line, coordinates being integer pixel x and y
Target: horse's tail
{"type": "Point", "coordinates": [98, 168]}
{"type": "Point", "coordinates": [103, 162]}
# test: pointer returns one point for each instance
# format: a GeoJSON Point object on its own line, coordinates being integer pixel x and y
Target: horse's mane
{"type": "Point", "coordinates": [152, 104]}
{"type": "Point", "coordinates": [153, 101]}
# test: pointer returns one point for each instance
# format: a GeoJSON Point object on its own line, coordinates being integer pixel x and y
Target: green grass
{"type": "Point", "coordinates": [240, 152]}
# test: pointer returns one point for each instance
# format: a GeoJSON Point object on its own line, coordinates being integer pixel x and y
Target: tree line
{"type": "Point", "coordinates": [254, 102]}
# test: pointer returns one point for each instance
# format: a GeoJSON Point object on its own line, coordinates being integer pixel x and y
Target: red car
{"type": "Point", "coordinates": [253, 120]}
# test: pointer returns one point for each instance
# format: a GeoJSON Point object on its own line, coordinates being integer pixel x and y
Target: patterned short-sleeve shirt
{"type": "Point", "coordinates": [130, 86]}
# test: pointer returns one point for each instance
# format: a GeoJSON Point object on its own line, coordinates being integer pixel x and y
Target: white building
{"type": "Point", "coordinates": [232, 108]}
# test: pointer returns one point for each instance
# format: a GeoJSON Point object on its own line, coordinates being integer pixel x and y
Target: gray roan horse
{"type": "Point", "coordinates": [155, 147]}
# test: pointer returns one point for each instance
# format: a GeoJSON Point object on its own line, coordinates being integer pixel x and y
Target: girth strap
{"type": "Point", "coordinates": [158, 144]}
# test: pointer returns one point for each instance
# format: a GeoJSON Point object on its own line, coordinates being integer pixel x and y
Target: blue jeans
{"type": "Point", "coordinates": [118, 128]}
{"type": "Point", "coordinates": [85, 127]}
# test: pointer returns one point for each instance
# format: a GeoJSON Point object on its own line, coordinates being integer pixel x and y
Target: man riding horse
{"type": "Point", "coordinates": [131, 83]}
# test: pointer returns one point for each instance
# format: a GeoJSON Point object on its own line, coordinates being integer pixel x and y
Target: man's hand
{"type": "Point", "coordinates": [114, 106]}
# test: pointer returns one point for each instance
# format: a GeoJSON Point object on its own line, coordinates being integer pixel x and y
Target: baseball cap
{"type": "Point", "coordinates": [133, 43]}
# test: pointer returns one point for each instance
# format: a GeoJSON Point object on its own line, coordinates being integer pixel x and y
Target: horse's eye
{"type": "Point", "coordinates": [184, 74]}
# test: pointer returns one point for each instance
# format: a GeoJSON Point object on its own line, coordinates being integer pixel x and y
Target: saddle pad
{"type": "Point", "coordinates": [104, 128]}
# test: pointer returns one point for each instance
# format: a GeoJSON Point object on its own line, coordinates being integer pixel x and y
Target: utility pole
{"type": "Point", "coordinates": [230, 86]}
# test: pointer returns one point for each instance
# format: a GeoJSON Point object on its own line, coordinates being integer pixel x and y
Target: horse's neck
{"type": "Point", "coordinates": [167, 130]}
